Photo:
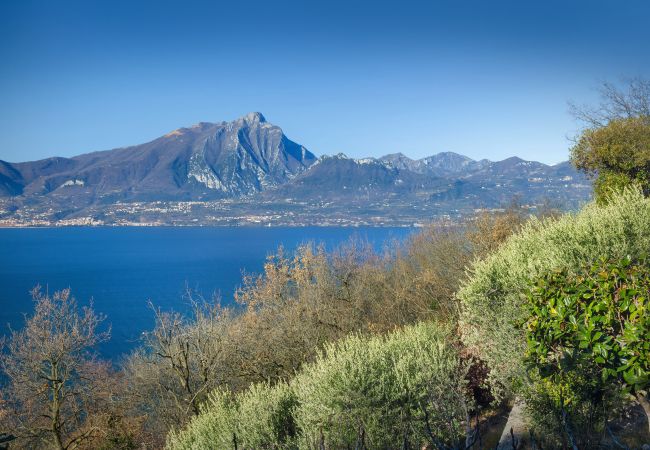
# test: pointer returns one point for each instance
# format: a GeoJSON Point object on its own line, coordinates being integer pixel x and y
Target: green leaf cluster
{"type": "Point", "coordinates": [493, 300]}
{"type": "Point", "coordinates": [599, 315]}
{"type": "Point", "coordinates": [388, 386]}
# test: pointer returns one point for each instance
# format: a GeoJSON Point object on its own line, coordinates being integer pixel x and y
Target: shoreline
{"type": "Point", "coordinates": [417, 225]}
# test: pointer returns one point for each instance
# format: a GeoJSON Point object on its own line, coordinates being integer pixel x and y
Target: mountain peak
{"type": "Point", "coordinates": [453, 155]}
{"type": "Point", "coordinates": [395, 156]}
{"type": "Point", "coordinates": [253, 117]}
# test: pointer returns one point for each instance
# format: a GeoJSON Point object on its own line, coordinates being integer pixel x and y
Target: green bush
{"type": "Point", "coordinates": [616, 154]}
{"type": "Point", "coordinates": [258, 418]}
{"type": "Point", "coordinates": [493, 301]}
{"type": "Point", "coordinates": [573, 406]}
{"type": "Point", "coordinates": [588, 336]}
{"type": "Point", "coordinates": [405, 386]}
{"type": "Point", "coordinates": [383, 390]}
{"type": "Point", "coordinates": [265, 417]}
{"type": "Point", "coordinates": [214, 427]}
{"type": "Point", "coordinates": [599, 315]}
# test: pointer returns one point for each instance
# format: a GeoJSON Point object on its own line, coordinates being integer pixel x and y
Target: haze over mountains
{"type": "Point", "coordinates": [248, 171]}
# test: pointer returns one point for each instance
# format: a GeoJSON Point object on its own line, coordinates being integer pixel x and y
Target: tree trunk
{"type": "Point", "coordinates": [55, 406]}
{"type": "Point", "coordinates": [645, 404]}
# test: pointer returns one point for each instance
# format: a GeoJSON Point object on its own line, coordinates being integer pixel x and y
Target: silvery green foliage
{"type": "Point", "coordinates": [383, 389]}
{"type": "Point", "coordinates": [492, 300]}
{"type": "Point", "coordinates": [213, 428]}
{"type": "Point", "coordinates": [378, 389]}
{"type": "Point", "coordinates": [258, 418]}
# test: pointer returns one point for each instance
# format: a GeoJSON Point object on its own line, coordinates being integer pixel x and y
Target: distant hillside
{"type": "Point", "coordinates": [247, 170]}
{"type": "Point", "coordinates": [447, 179]}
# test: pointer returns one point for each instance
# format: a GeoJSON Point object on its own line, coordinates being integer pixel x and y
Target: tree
{"type": "Point", "coordinates": [183, 359]}
{"type": "Point", "coordinates": [596, 322]}
{"type": "Point", "coordinates": [617, 154]}
{"type": "Point", "coordinates": [615, 103]}
{"type": "Point", "coordinates": [615, 145]}
{"type": "Point", "coordinates": [405, 389]}
{"type": "Point", "coordinates": [52, 376]}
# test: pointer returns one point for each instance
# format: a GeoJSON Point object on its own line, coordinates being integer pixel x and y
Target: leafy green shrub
{"type": "Point", "coordinates": [493, 301]}
{"type": "Point", "coordinates": [214, 427]}
{"type": "Point", "coordinates": [265, 416]}
{"type": "Point", "coordinates": [258, 418]}
{"type": "Point", "coordinates": [573, 406]}
{"type": "Point", "coordinates": [382, 391]}
{"type": "Point", "coordinates": [593, 327]}
{"type": "Point", "coordinates": [601, 315]}
{"type": "Point", "coordinates": [407, 385]}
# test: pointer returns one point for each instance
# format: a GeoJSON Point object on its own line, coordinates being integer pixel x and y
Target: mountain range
{"type": "Point", "coordinates": [247, 171]}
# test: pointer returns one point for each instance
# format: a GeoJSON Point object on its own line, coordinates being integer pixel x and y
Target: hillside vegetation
{"type": "Point", "coordinates": [409, 388]}
{"type": "Point", "coordinates": [493, 300]}
{"type": "Point", "coordinates": [411, 347]}
{"type": "Point", "coordinates": [384, 391]}
{"type": "Point", "coordinates": [402, 348]}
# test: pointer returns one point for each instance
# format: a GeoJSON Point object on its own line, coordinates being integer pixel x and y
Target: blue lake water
{"type": "Point", "coordinates": [122, 268]}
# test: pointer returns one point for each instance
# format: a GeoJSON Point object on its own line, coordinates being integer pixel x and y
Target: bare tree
{"type": "Point", "coordinates": [181, 361]}
{"type": "Point", "coordinates": [51, 373]}
{"type": "Point", "coordinates": [615, 103]}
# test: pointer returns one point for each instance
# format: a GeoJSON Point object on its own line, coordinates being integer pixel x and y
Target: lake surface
{"type": "Point", "coordinates": [123, 268]}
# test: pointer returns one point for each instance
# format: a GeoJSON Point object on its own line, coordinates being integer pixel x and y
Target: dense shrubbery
{"type": "Point", "coordinates": [406, 388]}
{"type": "Point", "coordinates": [493, 301]}
{"type": "Point", "coordinates": [298, 305]}
{"type": "Point", "coordinates": [572, 407]}
{"type": "Point", "coordinates": [588, 339]}
{"type": "Point", "coordinates": [599, 315]}
{"type": "Point", "coordinates": [386, 390]}
{"type": "Point", "coordinates": [409, 388]}
{"type": "Point", "coordinates": [260, 417]}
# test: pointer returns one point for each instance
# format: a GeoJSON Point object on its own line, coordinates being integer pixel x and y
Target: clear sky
{"type": "Point", "coordinates": [488, 79]}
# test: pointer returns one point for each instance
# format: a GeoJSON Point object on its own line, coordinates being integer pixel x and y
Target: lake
{"type": "Point", "coordinates": [122, 268]}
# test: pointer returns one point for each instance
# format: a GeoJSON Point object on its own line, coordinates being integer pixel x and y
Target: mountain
{"type": "Point", "coordinates": [440, 164]}
{"type": "Point", "coordinates": [248, 171]}
{"type": "Point", "coordinates": [449, 180]}
{"type": "Point", "coordinates": [402, 162]}
{"type": "Point", "coordinates": [341, 178]}
{"type": "Point", "coordinates": [499, 182]}
{"type": "Point", "coordinates": [207, 160]}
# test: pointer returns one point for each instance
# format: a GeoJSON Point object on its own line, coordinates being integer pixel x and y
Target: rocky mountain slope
{"type": "Point", "coordinates": [207, 160]}
{"type": "Point", "coordinates": [239, 171]}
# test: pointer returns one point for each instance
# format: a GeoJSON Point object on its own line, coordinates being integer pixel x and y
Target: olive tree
{"type": "Point", "coordinates": [491, 300]}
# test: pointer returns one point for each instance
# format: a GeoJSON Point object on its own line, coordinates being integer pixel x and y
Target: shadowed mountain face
{"type": "Point", "coordinates": [249, 169]}
{"type": "Point", "coordinates": [448, 180]}
{"type": "Point", "coordinates": [340, 177]}
{"type": "Point", "coordinates": [442, 164]}
{"type": "Point", "coordinates": [207, 160]}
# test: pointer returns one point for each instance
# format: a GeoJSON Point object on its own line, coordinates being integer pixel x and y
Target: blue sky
{"type": "Point", "coordinates": [489, 79]}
